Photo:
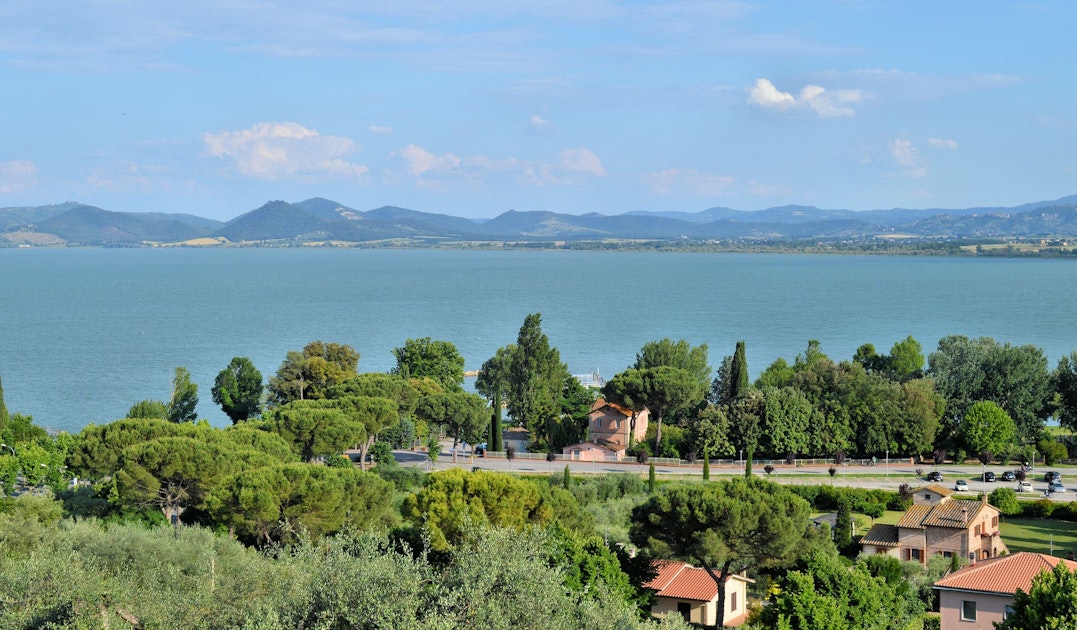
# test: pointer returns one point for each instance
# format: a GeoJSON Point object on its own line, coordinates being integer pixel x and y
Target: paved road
{"type": "Point", "coordinates": [882, 476]}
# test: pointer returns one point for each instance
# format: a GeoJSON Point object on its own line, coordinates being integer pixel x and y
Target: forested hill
{"type": "Point", "coordinates": [323, 220]}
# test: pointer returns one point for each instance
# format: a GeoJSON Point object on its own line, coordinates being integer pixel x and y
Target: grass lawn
{"type": "Point", "coordinates": [1033, 534]}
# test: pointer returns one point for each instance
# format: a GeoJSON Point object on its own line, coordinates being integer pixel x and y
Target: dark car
{"type": "Point", "coordinates": [1052, 476]}
{"type": "Point", "coordinates": [934, 475]}
{"type": "Point", "coordinates": [1009, 476]}
{"type": "Point", "coordinates": [989, 476]}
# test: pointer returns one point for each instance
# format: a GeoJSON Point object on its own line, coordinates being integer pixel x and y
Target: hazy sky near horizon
{"type": "Point", "coordinates": [471, 108]}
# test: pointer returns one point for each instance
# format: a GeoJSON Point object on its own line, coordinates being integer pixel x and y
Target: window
{"type": "Point", "coordinates": [979, 530]}
{"type": "Point", "coordinates": [733, 602]}
{"type": "Point", "coordinates": [915, 554]}
{"type": "Point", "coordinates": [994, 521]}
{"type": "Point", "coordinates": [1006, 613]}
{"type": "Point", "coordinates": [947, 554]}
{"type": "Point", "coordinates": [685, 610]}
{"type": "Point", "coordinates": [968, 610]}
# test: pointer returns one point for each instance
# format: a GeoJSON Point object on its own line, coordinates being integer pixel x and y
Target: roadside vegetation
{"type": "Point", "coordinates": [161, 520]}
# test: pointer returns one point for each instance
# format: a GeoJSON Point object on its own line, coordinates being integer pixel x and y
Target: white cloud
{"type": "Point", "coordinates": [583, 160]}
{"type": "Point", "coordinates": [278, 150]}
{"type": "Point", "coordinates": [538, 122]}
{"type": "Point", "coordinates": [907, 156]}
{"type": "Point", "coordinates": [422, 161]}
{"type": "Point", "coordinates": [674, 180]}
{"type": "Point", "coordinates": [765, 95]}
{"type": "Point", "coordinates": [17, 175]}
{"type": "Point", "coordinates": [381, 130]}
{"type": "Point", "coordinates": [825, 103]}
{"type": "Point", "coordinates": [939, 143]}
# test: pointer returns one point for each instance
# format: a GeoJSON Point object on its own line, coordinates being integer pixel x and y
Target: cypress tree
{"type": "Point", "coordinates": [3, 407]}
{"type": "Point", "coordinates": [650, 478]}
{"type": "Point", "coordinates": [748, 463]}
{"type": "Point", "coordinates": [843, 526]}
{"type": "Point", "coordinates": [495, 425]}
{"type": "Point", "coordinates": [706, 466]}
{"type": "Point", "coordinates": [567, 481]}
{"type": "Point", "coordinates": [738, 375]}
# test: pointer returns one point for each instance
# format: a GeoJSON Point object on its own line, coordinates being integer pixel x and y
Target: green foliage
{"type": "Point", "coordinates": [97, 449]}
{"type": "Point", "coordinates": [310, 374]}
{"type": "Point", "coordinates": [987, 427]}
{"type": "Point", "coordinates": [382, 454]}
{"type": "Point", "coordinates": [711, 432]}
{"type": "Point", "coordinates": [843, 527]}
{"type": "Point", "coordinates": [3, 407]}
{"type": "Point", "coordinates": [283, 502]}
{"type": "Point", "coordinates": [453, 500]}
{"type": "Point", "coordinates": [238, 390]}
{"type": "Point", "coordinates": [906, 359]}
{"type": "Point", "coordinates": [706, 467]}
{"type": "Point", "coordinates": [830, 594]}
{"type": "Point", "coordinates": [735, 525]}
{"type": "Point", "coordinates": [678, 354]}
{"type": "Point", "coordinates": [536, 378]}
{"type": "Point", "coordinates": [495, 438]}
{"type": "Point", "coordinates": [339, 461]}
{"type": "Point", "coordinates": [1051, 602]}
{"type": "Point", "coordinates": [650, 478]}
{"type": "Point", "coordinates": [464, 414]}
{"type": "Point", "coordinates": [313, 428]}
{"type": "Point", "coordinates": [156, 409]}
{"type": "Point", "coordinates": [1051, 451]}
{"type": "Point", "coordinates": [738, 373]}
{"type": "Point", "coordinates": [1063, 384]}
{"type": "Point", "coordinates": [182, 405]}
{"type": "Point", "coordinates": [439, 360]}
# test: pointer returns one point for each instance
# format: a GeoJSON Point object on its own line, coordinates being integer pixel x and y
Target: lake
{"type": "Point", "coordinates": [88, 332]}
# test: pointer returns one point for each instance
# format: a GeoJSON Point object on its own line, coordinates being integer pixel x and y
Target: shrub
{"type": "Point", "coordinates": [1042, 508]}
{"type": "Point", "coordinates": [1005, 499]}
{"type": "Point", "coordinates": [1052, 451]}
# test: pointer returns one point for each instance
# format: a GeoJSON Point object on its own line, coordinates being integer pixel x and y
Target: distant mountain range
{"type": "Point", "coordinates": [322, 220]}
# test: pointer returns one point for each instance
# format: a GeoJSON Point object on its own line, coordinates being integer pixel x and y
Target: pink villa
{"type": "Point", "coordinates": [979, 595]}
{"type": "Point", "coordinates": [610, 431]}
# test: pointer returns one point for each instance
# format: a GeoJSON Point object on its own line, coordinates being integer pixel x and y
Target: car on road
{"type": "Point", "coordinates": [989, 477]}
{"type": "Point", "coordinates": [1009, 476]}
{"type": "Point", "coordinates": [1024, 486]}
{"type": "Point", "coordinates": [1052, 476]}
{"type": "Point", "coordinates": [1055, 486]}
{"type": "Point", "coordinates": [961, 485]}
{"type": "Point", "coordinates": [934, 475]}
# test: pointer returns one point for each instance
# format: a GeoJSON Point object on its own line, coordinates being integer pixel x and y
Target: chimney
{"type": "Point", "coordinates": [965, 515]}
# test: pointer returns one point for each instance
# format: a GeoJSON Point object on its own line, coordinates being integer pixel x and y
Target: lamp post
{"type": "Point", "coordinates": [888, 464]}
{"type": "Point", "coordinates": [10, 449]}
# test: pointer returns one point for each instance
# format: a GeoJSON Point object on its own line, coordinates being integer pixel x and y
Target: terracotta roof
{"type": "Point", "coordinates": [914, 516]}
{"type": "Point", "coordinates": [955, 514]}
{"type": "Point", "coordinates": [936, 488]}
{"type": "Point", "coordinates": [1002, 574]}
{"type": "Point", "coordinates": [679, 580]}
{"type": "Point", "coordinates": [602, 402]}
{"type": "Point", "coordinates": [881, 535]}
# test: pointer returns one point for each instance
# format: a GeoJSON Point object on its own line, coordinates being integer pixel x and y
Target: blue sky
{"type": "Point", "coordinates": [473, 107]}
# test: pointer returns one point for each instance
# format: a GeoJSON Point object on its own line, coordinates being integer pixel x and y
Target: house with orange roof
{"type": "Point", "coordinates": [979, 595]}
{"type": "Point", "coordinates": [937, 524]}
{"type": "Point", "coordinates": [691, 593]}
{"type": "Point", "coordinates": [610, 428]}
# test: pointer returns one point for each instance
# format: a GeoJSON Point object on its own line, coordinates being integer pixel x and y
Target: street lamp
{"type": "Point", "coordinates": [10, 449]}
{"type": "Point", "coordinates": [888, 464]}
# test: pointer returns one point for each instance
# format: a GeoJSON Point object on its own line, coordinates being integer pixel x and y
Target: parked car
{"type": "Point", "coordinates": [989, 476]}
{"type": "Point", "coordinates": [1024, 486]}
{"type": "Point", "coordinates": [934, 475]}
{"type": "Point", "coordinates": [1056, 486]}
{"type": "Point", "coordinates": [961, 485]}
{"type": "Point", "coordinates": [1009, 476]}
{"type": "Point", "coordinates": [1052, 476]}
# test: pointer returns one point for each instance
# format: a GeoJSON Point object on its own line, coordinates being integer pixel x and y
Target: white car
{"type": "Point", "coordinates": [1024, 486]}
{"type": "Point", "coordinates": [961, 486]}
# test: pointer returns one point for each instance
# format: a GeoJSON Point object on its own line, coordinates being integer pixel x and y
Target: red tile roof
{"type": "Point", "coordinates": [679, 580]}
{"type": "Point", "coordinates": [936, 488]}
{"type": "Point", "coordinates": [1003, 574]}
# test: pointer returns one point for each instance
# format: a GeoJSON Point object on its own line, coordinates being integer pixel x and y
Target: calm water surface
{"type": "Point", "coordinates": [85, 333]}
